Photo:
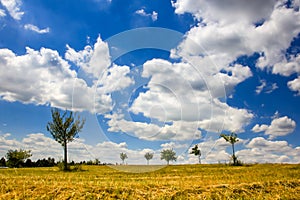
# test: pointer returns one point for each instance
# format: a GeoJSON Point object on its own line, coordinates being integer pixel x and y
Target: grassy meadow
{"type": "Point", "coordinates": [261, 181]}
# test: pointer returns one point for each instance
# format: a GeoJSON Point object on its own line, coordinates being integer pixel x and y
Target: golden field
{"type": "Point", "coordinates": [260, 181]}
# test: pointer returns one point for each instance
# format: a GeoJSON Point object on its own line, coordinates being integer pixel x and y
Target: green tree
{"type": "Point", "coordinates": [123, 156]}
{"type": "Point", "coordinates": [168, 155]}
{"type": "Point", "coordinates": [2, 162]}
{"type": "Point", "coordinates": [16, 158]}
{"type": "Point", "coordinates": [64, 128]}
{"type": "Point", "coordinates": [148, 157]}
{"type": "Point", "coordinates": [232, 139]}
{"type": "Point", "coordinates": [197, 152]}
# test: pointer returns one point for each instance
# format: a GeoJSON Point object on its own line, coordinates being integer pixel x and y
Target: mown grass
{"type": "Point", "coordinates": [263, 181]}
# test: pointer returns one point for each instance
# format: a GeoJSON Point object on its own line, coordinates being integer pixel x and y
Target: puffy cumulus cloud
{"type": "Point", "coordinates": [116, 78]}
{"type": "Point", "coordinates": [142, 12]}
{"type": "Point", "coordinates": [227, 11]}
{"type": "Point", "coordinates": [288, 67]}
{"type": "Point", "coordinates": [275, 36]}
{"type": "Point", "coordinates": [32, 78]}
{"type": "Point", "coordinates": [221, 44]}
{"type": "Point", "coordinates": [178, 130]}
{"type": "Point", "coordinates": [43, 77]}
{"type": "Point", "coordinates": [6, 143]}
{"type": "Point", "coordinates": [14, 8]}
{"type": "Point", "coordinates": [278, 127]}
{"type": "Point", "coordinates": [93, 60]}
{"type": "Point", "coordinates": [225, 117]}
{"type": "Point", "coordinates": [260, 150]}
{"type": "Point", "coordinates": [294, 85]}
{"type": "Point", "coordinates": [228, 31]}
{"type": "Point", "coordinates": [179, 92]}
{"type": "Point", "coordinates": [36, 29]}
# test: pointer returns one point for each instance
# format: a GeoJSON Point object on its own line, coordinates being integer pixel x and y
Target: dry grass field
{"type": "Point", "coordinates": [261, 181]}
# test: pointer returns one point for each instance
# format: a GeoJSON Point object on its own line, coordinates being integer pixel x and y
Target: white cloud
{"type": "Point", "coordinates": [276, 35]}
{"type": "Point", "coordinates": [179, 92]}
{"type": "Point", "coordinates": [115, 79]}
{"type": "Point", "coordinates": [153, 15]}
{"type": "Point", "coordinates": [294, 85]}
{"type": "Point", "coordinates": [14, 8]}
{"type": "Point", "coordinates": [278, 127]}
{"type": "Point", "coordinates": [260, 88]}
{"type": "Point", "coordinates": [178, 130]}
{"type": "Point", "coordinates": [261, 150]}
{"type": "Point", "coordinates": [272, 88]}
{"type": "Point", "coordinates": [30, 78]}
{"type": "Point", "coordinates": [228, 30]}
{"type": "Point", "coordinates": [260, 128]}
{"type": "Point", "coordinates": [213, 151]}
{"type": "Point", "coordinates": [265, 87]}
{"type": "Point", "coordinates": [43, 77]}
{"type": "Point", "coordinates": [93, 60]}
{"type": "Point", "coordinates": [226, 12]}
{"type": "Point", "coordinates": [288, 67]}
{"type": "Point", "coordinates": [36, 29]}
{"type": "Point", "coordinates": [141, 12]}
{"type": "Point", "coordinates": [2, 13]}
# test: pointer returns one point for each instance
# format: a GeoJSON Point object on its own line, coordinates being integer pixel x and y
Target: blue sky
{"type": "Point", "coordinates": [150, 75]}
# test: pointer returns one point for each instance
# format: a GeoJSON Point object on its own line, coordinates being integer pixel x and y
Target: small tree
{"type": "Point", "coordinates": [197, 152]}
{"type": "Point", "coordinates": [64, 128]}
{"type": "Point", "coordinates": [16, 158]}
{"type": "Point", "coordinates": [232, 139]}
{"type": "Point", "coordinates": [123, 156]}
{"type": "Point", "coordinates": [168, 155]}
{"type": "Point", "coordinates": [148, 157]}
{"type": "Point", "coordinates": [2, 162]}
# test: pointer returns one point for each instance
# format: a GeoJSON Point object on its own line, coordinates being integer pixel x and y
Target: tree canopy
{"type": "Point", "coordinates": [148, 156]}
{"type": "Point", "coordinates": [197, 152]}
{"type": "Point", "coordinates": [123, 156]}
{"type": "Point", "coordinates": [168, 155]}
{"type": "Point", "coordinates": [16, 158]}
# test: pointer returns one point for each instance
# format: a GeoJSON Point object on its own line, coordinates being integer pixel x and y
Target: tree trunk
{"type": "Point", "coordinates": [65, 156]}
{"type": "Point", "coordinates": [168, 162]}
{"type": "Point", "coordinates": [147, 162]}
{"type": "Point", "coordinates": [199, 158]}
{"type": "Point", "coordinates": [233, 154]}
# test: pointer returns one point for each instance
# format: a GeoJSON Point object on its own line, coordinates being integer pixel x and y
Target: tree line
{"type": "Point", "coordinates": [65, 127]}
{"type": "Point", "coordinates": [20, 158]}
